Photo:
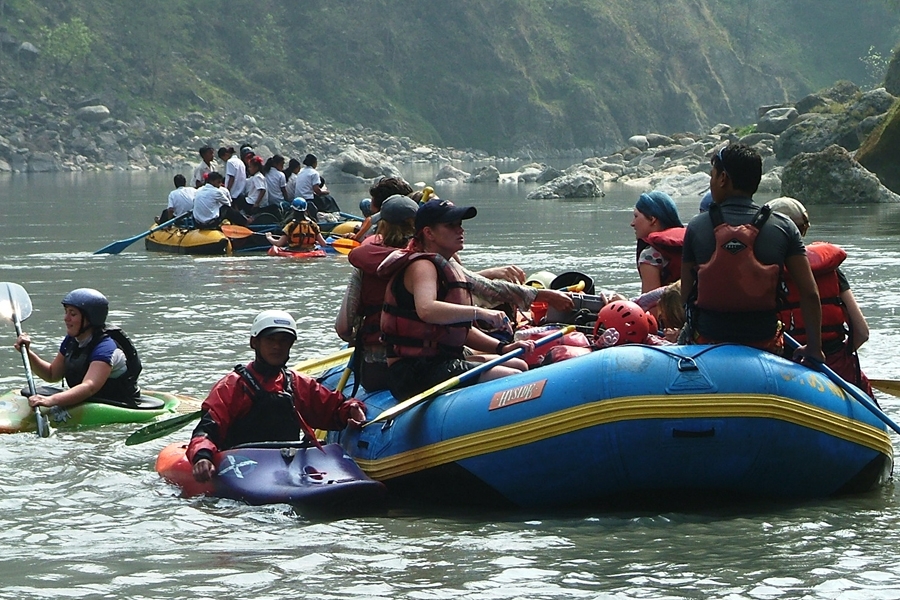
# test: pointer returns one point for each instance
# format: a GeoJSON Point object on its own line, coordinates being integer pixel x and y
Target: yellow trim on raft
{"type": "Point", "coordinates": [628, 409]}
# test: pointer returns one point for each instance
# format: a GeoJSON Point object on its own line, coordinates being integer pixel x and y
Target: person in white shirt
{"type": "Point", "coordinates": [235, 175]}
{"type": "Point", "coordinates": [198, 178]}
{"type": "Point", "coordinates": [181, 200]}
{"type": "Point", "coordinates": [276, 183]}
{"type": "Point", "coordinates": [291, 177]}
{"type": "Point", "coordinates": [255, 189]}
{"type": "Point", "coordinates": [212, 203]}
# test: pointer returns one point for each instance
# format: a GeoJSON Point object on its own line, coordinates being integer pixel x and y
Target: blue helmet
{"type": "Point", "coordinates": [365, 207]}
{"type": "Point", "coordinates": [92, 304]}
{"type": "Point", "coordinates": [299, 204]}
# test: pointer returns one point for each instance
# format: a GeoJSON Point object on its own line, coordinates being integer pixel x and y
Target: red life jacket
{"type": "Point", "coordinates": [366, 258]}
{"type": "Point", "coordinates": [824, 258]}
{"type": "Point", "coordinates": [669, 243]}
{"type": "Point", "coordinates": [302, 235]}
{"type": "Point", "coordinates": [734, 280]}
{"type": "Point", "coordinates": [403, 332]}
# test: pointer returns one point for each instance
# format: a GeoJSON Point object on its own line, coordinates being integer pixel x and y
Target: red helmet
{"type": "Point", "coordinates": [627, 318]}
{"type": "Point", "coordinates": [652, 323]}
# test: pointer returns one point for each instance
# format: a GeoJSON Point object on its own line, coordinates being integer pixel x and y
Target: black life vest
{"type": "Point", "coordinates": [272, 416]}
{"type": "Point", "coordinates": [78, 361]}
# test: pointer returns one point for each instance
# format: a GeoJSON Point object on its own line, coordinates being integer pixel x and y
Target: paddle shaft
{"type": "Point", "coordinates": [404, 406]}
{"type": "Point", "coordinates": [120, 245]}
{"type": "Point", "coordinates": [43, 427]}
{"type": "Point", "coordinates": [841, 383]}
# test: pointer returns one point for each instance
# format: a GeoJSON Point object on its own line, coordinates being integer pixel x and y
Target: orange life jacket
{"type": "Point", "coordinates": [824, 259]}
{"type": "Point", "coordinates": [669, 243]}
{"type": "Point", "coordinates": [403, 332]}
{"type": "Point", "coordinates": [302, 235]}
{"type": "Point", "coordinates": [734, 281]}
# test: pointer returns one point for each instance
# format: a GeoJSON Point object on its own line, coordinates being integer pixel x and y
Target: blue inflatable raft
{"type": "Point", "coordinates": [627, 422]}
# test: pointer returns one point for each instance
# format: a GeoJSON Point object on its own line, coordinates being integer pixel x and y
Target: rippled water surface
{"type": "Point", "coordinates": [84, 516]}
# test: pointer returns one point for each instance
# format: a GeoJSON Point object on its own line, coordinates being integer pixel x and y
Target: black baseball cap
{"type": "Point", "coordinates": [442, 211]}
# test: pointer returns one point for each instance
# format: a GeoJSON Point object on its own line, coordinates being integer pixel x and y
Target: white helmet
{"type": "Point", "coordinates": [273, 321]}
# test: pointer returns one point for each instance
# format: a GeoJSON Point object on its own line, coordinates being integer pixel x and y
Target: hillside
{"type": "Point", "coordinates": [499, 75]}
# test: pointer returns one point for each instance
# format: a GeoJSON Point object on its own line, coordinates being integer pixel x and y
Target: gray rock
{"type": "Point", "coordinates": [574, 185]}
{"type": "Point", "coordinates": [94, 113]}
{"type": "Point", "coordinates": [771, 182]}
{"type": "Point", "coordinates": [873, 102]}
{"type": "Point", "coordinates": [548, 174]}
{"type": "Point", "coordinates": [42, 162]}
{"type": "Point", "coordinates": [639, 141]}
{"type": "Point", "coordinates": [28, 51]}
{"type": "Point", "coordinates": [832, 177]}
{"type": "Point", "coordinates": [812, 133]}
{"type": "Point", "coordinates": [808, 103]}
{"type": "Point", "coordinates": [720, 129]}
{"type": "Point", "coordinates": [751, 139]}
{"type": "Point", "coordinates": [358, 166]}
{"type": "Point", "coordinates": [777, 120]}
{"type": "Point", "coordinates": [762, 110]}
{"type": "Point", "coordinates": [4, 166]}
{"type": "Point", "coordinates": [488, 174]}
{"type": "Point", "coordinates": [656, 140]}
{"type": "Point", "coordinates": [451, 172]}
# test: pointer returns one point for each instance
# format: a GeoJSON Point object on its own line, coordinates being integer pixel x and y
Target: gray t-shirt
{"type": "Point", "coordinates": [778, 239]}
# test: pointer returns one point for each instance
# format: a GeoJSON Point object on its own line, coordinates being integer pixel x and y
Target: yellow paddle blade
{"type": "Point", "coordinates": [578, 287]}
{"type": "Point", "coordinates": [888, 386]}
{"type": "Point", "coordinates": [344, 245]}
{"type": "Point", "coordinates": [236, 231]}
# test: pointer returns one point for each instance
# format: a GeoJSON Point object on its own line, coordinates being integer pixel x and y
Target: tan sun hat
{"type": "Point", "coordinates": [792, 209]}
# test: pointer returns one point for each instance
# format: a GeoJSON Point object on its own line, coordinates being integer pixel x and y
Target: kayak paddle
{"type": "Point", "coordinates": [236, 232]}
{"type": "Point", "coordinates": [841, 383]}
{"type": "Point", "coordinates": [117, 247]}
{"type": "Point", "coordinates": [17, 308]}
{"type": "Point", "coordinates": [342, 245]}
{"type": "Point", "coordinates": [161, 428]}
{"type": "Point", "coordinates": [391, 413]}
{"type": "Point", "coordinates": [888, 386]}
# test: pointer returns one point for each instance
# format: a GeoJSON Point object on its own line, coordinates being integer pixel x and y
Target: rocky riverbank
{"type": "Point", "coordinates": [41, 135]}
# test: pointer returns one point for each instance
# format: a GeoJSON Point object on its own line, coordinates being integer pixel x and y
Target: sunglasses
{"type": "Point", "coordinates": [717, 158]}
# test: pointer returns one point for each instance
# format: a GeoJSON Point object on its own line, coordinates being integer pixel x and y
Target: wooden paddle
{"type": "Point", "coordinates": [888, 386]}
{"type": "Point", "coordinates": [440, 388]}
{"type": "Point", "coordinates": [117, 247]}
{"type": "Point", "coordinates": [161, 428]}
{"type": "Point", "coordinates": [17, 308]}
{"type": "Point", "coordinates": [839, 381]}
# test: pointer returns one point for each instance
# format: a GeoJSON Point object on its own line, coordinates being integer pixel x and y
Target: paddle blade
{"type": "Point", "coordinates": [344, 245]}
{"type": "Point", "coordinates": [117, 247]}
{"type": "Point", "coordinates": [888, 386]}
{"type": "Point", "coordinates": [160, 428]}
{"type": "Point", "coordinates": [236, 232]}
{"type": "Point", "coordinates": [15, 304]}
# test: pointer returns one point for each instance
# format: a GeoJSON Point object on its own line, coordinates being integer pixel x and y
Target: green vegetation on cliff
{"type": "Point", "coordinates": [499, 75]}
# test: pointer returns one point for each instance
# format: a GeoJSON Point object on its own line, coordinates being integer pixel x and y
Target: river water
{"type": "Point", "coordinates": [84, 516]}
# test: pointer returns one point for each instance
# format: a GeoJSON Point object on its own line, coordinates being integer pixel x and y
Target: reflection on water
{"type": "Point", "coordinates": [84, 516]}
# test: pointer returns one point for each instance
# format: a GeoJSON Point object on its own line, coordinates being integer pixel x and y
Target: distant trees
{"type": "Point", "coordinates": [66, 44]}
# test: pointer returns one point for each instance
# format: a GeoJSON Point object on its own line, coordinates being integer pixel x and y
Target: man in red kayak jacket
{"type": "Point", "coordinates": [732, 261]}
{"type": "Point", "coordinates": [264, 401]}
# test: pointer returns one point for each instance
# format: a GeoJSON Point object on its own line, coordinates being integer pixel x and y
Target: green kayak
{"type": "Point", "coordinates": [16, 415]}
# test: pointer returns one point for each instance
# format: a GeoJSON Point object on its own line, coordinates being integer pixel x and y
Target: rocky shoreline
{"type": "Point", "coordinates": [40, 135]}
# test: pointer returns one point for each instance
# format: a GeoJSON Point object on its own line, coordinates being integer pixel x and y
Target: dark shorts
{"type": "Point", "coordinates": [411, 376]}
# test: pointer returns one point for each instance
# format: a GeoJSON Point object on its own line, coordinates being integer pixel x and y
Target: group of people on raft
{"type": "Point", "coordinates": [248, 188]}
{"type": "Point", "coordinates": [736, 273]}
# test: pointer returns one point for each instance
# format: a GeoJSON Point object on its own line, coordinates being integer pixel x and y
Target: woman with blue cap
{"type": "Point", "coordinates": [660, 237]}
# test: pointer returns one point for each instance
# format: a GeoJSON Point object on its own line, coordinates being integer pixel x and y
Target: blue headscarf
{"type": "Point", "coordinates": [659, 204]}
{"type": "Point", "coordinates": [706, 201]}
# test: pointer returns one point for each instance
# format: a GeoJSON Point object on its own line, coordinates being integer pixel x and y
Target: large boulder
{"type": "Point", "coordinates": [777, 120]}
{"type": "Point", "coordinates": [358, 166]}
{"type": "Point", "coordinates": [450, 174]}
{"type": "Point", "coordinates": [832, 177]}
{"type": "Point", "coordinates": [892, 77]}
{"type": "Point", "coordinates": [577, 182]}
{"type": "Point", "coordinates": [880, 150]}
{"type": "Point", "coordinates": [488, 174]}
{"type": "Point", "coordinates": [94, 114]}
{"type": "Point", "coordinates": [42, 162]}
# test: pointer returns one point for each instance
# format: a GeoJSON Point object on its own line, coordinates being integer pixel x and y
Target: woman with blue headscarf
{"type": "Point", "coordinates": [660, 237]}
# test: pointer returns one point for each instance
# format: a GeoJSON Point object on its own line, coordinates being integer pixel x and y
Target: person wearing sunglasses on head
{"type": "Point", "coordinates": [733, 259]}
